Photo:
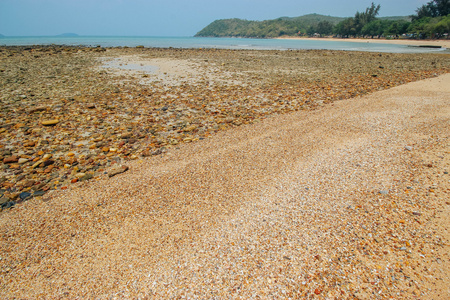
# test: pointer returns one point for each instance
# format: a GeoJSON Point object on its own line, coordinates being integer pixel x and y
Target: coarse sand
{"type": "Point", "coordinates": [346, 201]}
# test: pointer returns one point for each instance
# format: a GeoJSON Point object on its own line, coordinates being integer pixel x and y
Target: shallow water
{"type": "Point", "coordinates": [222, 43]}
{"type": "Point", "coordinates": [120, 64]}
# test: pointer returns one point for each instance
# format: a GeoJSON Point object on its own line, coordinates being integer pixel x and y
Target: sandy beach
{"type": "Point", "coordinates": [442, 43]}
{"type": "Point", "coordinates": [223, 174]}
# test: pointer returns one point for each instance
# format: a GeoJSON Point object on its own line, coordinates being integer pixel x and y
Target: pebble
{"type": "Point", "coordinates": [100, 120]}
{"type": "Point", "coordinates": [117, 170]}
{"type": "Point", "coordinates": [86, 177]}
{"type": "Point", "coordinates": [24, 195]}
{"type": "Point", "coordinates": [11, 159]}
{"type": "Point", "coordinates": [50, 122]}
{"type": "Point", "coordinates": [22, 160]}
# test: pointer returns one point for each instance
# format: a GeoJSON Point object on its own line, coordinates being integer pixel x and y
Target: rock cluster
{"type": "Point", "coordinates": [63, 119]}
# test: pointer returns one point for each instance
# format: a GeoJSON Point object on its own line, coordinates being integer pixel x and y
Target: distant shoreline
{"type": "Point", "coordinates": [442, 43]}
{"type": "Point", "coordinates": [280, 43]}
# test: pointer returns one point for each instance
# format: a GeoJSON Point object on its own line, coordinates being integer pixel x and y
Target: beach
{"type": "Point", "coordinates": [207, 173]}
{"type": "Point", "coordinates": [444, 43]}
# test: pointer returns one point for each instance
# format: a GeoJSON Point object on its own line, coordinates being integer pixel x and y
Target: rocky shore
{"type": "Point", "coordinates": [65, 119]}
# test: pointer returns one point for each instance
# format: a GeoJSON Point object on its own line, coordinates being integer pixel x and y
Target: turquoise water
{"type": "Point", "coordinates": [223, 43]}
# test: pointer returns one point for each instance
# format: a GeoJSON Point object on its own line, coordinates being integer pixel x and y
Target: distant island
{"type": "Point", "coordinates": [1, 35]}
{"type": "Point", "coordinates": [69, 34]}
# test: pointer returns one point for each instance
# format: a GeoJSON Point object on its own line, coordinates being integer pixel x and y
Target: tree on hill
{"type": "Point", "coordinates": [354, 26]}
{"type": "Point", "coordinates": [434, 8]}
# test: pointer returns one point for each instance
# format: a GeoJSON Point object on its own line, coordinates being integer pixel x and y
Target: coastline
{"type": "Point", "coordinates": [442, 43]}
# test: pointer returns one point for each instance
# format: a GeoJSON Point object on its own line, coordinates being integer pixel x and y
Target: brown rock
{"type": "Point", "coordinates": [48, 162]}
{"type": "Point", "coordinates": [146, 153]}
{"type": "Point", "coordinates": [126, 135]}
{"type": "Point", "coordinates": [29, 144]}
{"type": "Point", "coordinates": [11, 159]}
{"type": "Point", "coordinates": [50, 122]}
{"type": "Point", "coordinates": [37, 109]}
{"type": "Point", "coordinates": [29, 183]}
{"type": "Point", "coordinates": [190, 128]}
{"type": "Point", "coordinates": [117, 170]}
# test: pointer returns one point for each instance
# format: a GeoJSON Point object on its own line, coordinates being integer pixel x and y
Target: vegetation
{"type": "Point", "coordinates": [431, 20]}
{"type": "Point", "coordinates": [269, 28]}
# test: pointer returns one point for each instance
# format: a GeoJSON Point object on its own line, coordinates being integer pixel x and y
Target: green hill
{"type": "Point", "coordinates": [269, 28]}
{"type": "Point", "coordinates": [396, 18]}
{"type": "Point", "coordinates": [264, 29]}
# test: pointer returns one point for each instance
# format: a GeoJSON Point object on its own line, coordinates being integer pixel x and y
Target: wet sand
{"type": "Point", "coordinates": [442, 43]}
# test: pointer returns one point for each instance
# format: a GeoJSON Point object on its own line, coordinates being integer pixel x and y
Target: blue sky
{"type": "Point", "coordinates": [166, 17]}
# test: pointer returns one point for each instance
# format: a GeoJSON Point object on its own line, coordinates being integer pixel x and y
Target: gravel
{"type": "Point", "coordinates": [286, 207]}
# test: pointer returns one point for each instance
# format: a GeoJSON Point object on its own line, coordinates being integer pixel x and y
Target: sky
{"type": "Point", "coordinates": [166, 17]}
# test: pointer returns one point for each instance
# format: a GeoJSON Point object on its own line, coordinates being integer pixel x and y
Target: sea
{"type": "Point", "coordinates": [220, 43]}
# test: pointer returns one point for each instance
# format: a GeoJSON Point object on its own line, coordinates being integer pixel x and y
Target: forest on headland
{"type": "Point", "coordinates": [431, 20]}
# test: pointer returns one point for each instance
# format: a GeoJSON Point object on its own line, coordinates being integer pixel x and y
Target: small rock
{"type": "Point", "coordinates": [146, 153]}
{"type": "Point", "coordinates": [158, 151]}
{"type": "Point", "coordinates": [37, 164]}
{"type": "Point", "coordinates": [126, 135]}
{"type": "Point", "coordinates": [50, 122]}
{"type": "Point", "coordinates": [38, 193]}
{"type": "Point", "coordinates": [8, 204]}
{"type": "Point", "coordinates": [117, 170]}
{"type": "Point", "coordinates": [383, 192]}
{"type": "Point", "coordinates": [409, 148]}
{"type": "Point", "coordinates": [24, 195]}
{"type": "Point", "coordinates": [37, 109]}
{"type": "Point", "coordinates": [22, 160]}
{"type": "Point", "coordinates": [3, 200]}
{"type": "Point", "coordinates": [29, 183]}
{"type": "Point", "coordinates": [48, 162]}
{"type": "Point", "coordinates": [29, 144]}
{"type": "Point", "coordinates": [11, 159]}
{"type": "Point", "coordinates": [79, 175]}
{"type": "Point", "coordinates": [86, 177]}
{"type": "Point", "coordinates": [190, 128]}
